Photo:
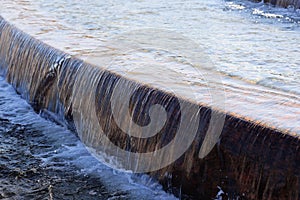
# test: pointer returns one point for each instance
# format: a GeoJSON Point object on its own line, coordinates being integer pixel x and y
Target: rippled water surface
{"type": "Point", "coordinates": [254, 46]}
{"type": "Point", "coordinates": [253, 42]}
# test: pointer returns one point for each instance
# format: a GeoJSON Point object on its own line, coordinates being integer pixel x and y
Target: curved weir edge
{"type": "Point", "coordinates": [249, 159]}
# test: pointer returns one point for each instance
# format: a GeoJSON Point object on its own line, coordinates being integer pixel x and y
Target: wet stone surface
{"type": "Point", "coordinates": [24, 176]}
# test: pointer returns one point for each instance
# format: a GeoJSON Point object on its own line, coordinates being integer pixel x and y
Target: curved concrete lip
{"type": "Point", "coordinates": [258, 104]}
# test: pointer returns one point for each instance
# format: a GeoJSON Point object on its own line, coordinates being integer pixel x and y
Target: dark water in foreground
{"type": "Point", "coordinates": [41, 160]}
{"type": "Point", "coordinates": [23, 176]}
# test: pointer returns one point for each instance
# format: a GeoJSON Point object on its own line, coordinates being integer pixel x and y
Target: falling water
{"type": "Point", "coordinates": [50, 95]}
{"type": "Point", "coordinates": [84, 97]}
{"type": "Point", "coordinates": [114, 115]}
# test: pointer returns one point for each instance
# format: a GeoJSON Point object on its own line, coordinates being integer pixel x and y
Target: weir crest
{"type": "Point", "coordinates": [88, 99]}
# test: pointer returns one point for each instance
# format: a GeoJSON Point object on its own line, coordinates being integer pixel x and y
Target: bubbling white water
{"type": "Point", "coordinates": [67, 149]}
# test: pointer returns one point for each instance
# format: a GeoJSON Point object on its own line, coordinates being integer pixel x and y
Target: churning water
{"type": "Point", "coordinates": [37, 154]}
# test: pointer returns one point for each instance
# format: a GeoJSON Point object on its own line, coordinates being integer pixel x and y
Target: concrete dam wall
{"type": "Point", "coordinates": [249, 160]}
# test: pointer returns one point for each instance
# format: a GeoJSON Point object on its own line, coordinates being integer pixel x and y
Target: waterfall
{"type": "Point", "coordinates": [151, 130]}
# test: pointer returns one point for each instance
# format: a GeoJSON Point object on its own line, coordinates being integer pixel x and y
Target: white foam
{"type": "Point", "coordinates": [67, 149]}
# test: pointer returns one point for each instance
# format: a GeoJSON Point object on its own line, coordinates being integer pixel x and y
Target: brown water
{"type": "Point", "coordinates": [248, 67]}
{"type": "Point", "coordinates": [252, 52]}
